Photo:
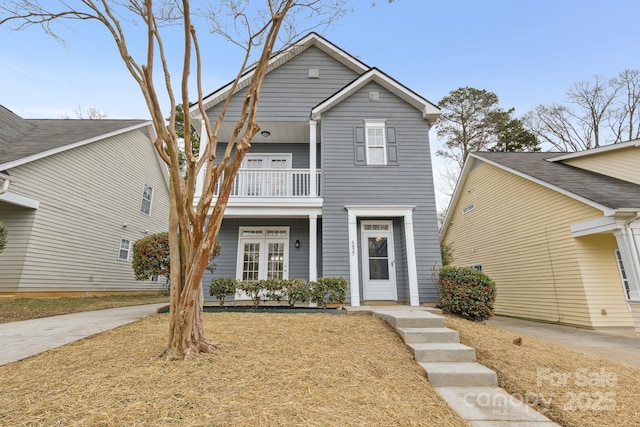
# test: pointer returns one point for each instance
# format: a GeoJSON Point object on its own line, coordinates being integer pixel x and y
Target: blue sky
{"type": "Point", "coordinates": [526, 51]}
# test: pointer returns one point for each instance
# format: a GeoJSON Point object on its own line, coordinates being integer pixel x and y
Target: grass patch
{"type": "Point", "coordinates": [15, 309]}
{"type": "Point", "coordinates": [275, 370]}
{"type": "Point", "coordinates": [573, 389]}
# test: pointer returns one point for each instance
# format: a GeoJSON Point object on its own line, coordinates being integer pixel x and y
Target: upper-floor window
{"type": "Point", "coordinates": [376, 142]}
{"type": "Point", "coordinates": [125, 249]}
{"type": "Point", "coordinates": [147, 196]}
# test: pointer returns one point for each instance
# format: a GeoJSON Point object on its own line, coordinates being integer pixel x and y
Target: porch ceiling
{"type": "Point", "coordinates": [288, 132]}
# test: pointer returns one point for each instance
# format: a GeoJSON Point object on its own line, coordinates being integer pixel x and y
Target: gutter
{"type": "Point", "coordinates": [5, 183]}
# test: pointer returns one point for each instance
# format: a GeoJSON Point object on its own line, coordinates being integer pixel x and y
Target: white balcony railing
{"type": "Point", "coordinates": [274, 183]}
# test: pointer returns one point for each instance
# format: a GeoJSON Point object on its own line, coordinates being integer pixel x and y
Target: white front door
{"type": "Point", "coordinates": [378, 261]}
{"type": "Point", "coordinates": [263, 253]}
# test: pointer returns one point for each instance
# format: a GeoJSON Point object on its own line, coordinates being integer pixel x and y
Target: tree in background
{"type": "Point", "coordinates": [257, 29]}
{"type": "Point", "coordinates": [472, 120]}
{"type": "Point", "coordinates": [599, 112]}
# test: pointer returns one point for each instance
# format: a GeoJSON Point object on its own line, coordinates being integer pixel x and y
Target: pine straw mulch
{"type": "Point", "coordinates": [573, 389]}
{"type": "Point", "coordinates": [275, 370]}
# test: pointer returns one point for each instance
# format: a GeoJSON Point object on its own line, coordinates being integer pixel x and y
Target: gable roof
{"type": "Point", "coordinates": [599, 191]}
{"type": "Point", "coordinates": [430, 111]}
{"type": "Point", "coordinates": [25, 140]}
{"type": "Point", "coordinates": [312, 39]}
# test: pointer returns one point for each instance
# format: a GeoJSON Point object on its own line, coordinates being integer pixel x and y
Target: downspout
{"type": "Point", "coordinates": [633, 247]}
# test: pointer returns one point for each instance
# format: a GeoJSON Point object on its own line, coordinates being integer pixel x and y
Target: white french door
{"type": "Point", "coordinates": [378, 261]}
{"type": "Point", "coordinates": [263, 253]}
{"type": "Point", "coordinates": [261, 183]}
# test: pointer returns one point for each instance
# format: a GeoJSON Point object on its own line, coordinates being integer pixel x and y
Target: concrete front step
{"type": "Point", "coordinates": [428, 335]}
{"type": "Point", "coordinates": [459, 374]}
{"type": "Point", "coordinates": [442, 352]}
{"type": "Point", "coordinates": [411, 319]}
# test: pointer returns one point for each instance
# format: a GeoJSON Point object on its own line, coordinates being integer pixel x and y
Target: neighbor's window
{"type": "Point", "coordinates": [476, 266]}
{"type": "Point", "coordinates": [125, 249]}
{"type": "Point", "coordinates": [376, 144]}
{"type": "Point", "coordinates": [623, 273]}
{"type": "Point", "coordinates": [147, 196]}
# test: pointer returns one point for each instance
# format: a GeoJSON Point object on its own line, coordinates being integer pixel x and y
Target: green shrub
{"type": "Point", "coordinates": [273, 289]}
{"type": "Point", "coordinates": [328, 290]}
{"type": "Point", "coordinates": [295, 290]}
{"type": "Point", "coordinates": [151, 256]}
{"type": "Point", "coordinates": [3, 236]}
{"type": "Point", "coordinates": [255, 289]}
{"type": "Point", "coordinates": [222, 288]}
{"type": "Point", "coordinates": [466, 292]}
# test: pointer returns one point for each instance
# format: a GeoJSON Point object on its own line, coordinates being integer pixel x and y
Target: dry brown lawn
{"type": "Point", "coordinates": [571, 388]}
{"type": "Point", "coordinates": [15, 309]}
{"type": "Point", "coordinates": [275, 370]}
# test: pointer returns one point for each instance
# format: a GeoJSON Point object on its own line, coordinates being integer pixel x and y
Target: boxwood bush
{"type": "Point", "coordinates": [466, 292]}
{"type": "Point", "coordinates": [223, 287]}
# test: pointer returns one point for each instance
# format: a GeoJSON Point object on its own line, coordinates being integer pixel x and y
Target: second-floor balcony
{"type": "Point", "coordinates": [276, 183]}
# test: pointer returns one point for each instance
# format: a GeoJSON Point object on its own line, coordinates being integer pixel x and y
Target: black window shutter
{"type": "Point", "coordinates": [359, 146]}
{"type": "Point", "coordinates": [392, 147]}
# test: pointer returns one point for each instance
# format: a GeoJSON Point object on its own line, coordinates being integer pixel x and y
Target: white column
{"type": "Point", "coordinates": [312, 159]}
{"type": "Point", "coordinates": [414, 296]}
{"type": "Point", "coordinates": [313, 247]}
{"type": "Point", "coordinates": [204, 139]}
{"type": "Point", "coordinates": [354, 280]}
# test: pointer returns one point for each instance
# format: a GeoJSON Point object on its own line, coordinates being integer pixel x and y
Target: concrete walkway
{"type": "Point", "coordinates": [617, 345]}
{"type": "Point", "coordinates": [19, 340]}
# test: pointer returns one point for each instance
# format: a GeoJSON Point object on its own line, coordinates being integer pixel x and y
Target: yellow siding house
{"type": "Point", "coordinates": [559, 233]}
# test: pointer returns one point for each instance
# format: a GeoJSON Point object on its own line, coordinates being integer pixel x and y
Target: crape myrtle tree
{"type": "Point", "coordinates": [260, 28]}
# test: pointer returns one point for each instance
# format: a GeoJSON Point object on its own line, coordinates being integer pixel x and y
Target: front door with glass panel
{"type": "Point", "coordinates": [378, 261]}
{"type": "Point", "coordinates": [263, 253]}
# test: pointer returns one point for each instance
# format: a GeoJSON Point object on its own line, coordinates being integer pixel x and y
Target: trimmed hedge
{"type": "Point", "coordinates": [3, 236]}
{"type": "Point", "coordinates": [327, 290]}
{"type": "Point", "coordinates": [466, 292]}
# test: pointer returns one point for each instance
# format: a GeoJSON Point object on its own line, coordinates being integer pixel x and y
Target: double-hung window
{"type": "Point", "coordinates": [375, 142]}
{"type": "Point", "coordinates": [147, 196]}
{"type": "Point", "coordinates": [125, 249]}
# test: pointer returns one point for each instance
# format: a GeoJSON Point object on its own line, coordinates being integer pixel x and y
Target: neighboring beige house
{"type": "Point", "coordinates": [75, 195]}
{"type": "Point", "coordinates": [559, 233]}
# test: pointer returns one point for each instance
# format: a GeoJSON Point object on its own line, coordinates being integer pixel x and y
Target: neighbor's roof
{"type": "Point", "coordinates": [600, 189]}
{"type": "Point", "coordinates": [25, 140]}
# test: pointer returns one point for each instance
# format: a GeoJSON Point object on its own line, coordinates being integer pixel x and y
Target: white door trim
{"type": "Point", "coordinates": [378, 289]}
{"type": "Point", "coordinates": [371, 211]}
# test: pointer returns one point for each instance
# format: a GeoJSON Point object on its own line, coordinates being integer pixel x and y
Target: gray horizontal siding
{"type": "Point", "coordinates": [19, 222]}
{"type": "Point", "coordinates": [86, 196]}
{"type": "Point", "coordinates": [409, 183]}
{"type": "Point", "coordinates": [287, 92]}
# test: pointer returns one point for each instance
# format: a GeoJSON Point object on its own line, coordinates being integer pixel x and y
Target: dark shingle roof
{"type": "Point", "coordinates": [21, 138]}
{"type": "Point", "coordinates": [607, 191]}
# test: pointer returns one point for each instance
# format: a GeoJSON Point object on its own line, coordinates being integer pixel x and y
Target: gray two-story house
{"type": "Point", "coordinates": [338, 183]}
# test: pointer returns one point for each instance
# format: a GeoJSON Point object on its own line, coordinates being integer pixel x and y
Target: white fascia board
{"type": "Point", "coordinates": [272, 212]}
{"type": "Point", "coordinates": [468, 165]}
{"type": "Point", "coordinates": [605, 210]}
{"type": "Point", "coordinates": [280, 58]}
{"type": "Point", "coordinates": [71, 146]}
{"type": "Point", "coordinates": [610, 147]}
{"type": "Point", "coordinates": [17, 199]}
{"type": "Point", "coordinates": [428, 110]}
{"type": "Point", "coordinates": [594, 226]}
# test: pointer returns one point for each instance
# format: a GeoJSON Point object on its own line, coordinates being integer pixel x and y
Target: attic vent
{"type": "Point", "coordinates": [314, 73]}
{"type": "Point", "coordinates": [467, 209]}
{"type": "Point", "coordinates": [374, 96]}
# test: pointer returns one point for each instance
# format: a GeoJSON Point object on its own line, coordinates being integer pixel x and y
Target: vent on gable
{"type": "Point", "coordinates": [314, 73]}
{"type": "Point", "coordinates": [374, 96]}
{"type": "Point", "coordinates": [467, 209]}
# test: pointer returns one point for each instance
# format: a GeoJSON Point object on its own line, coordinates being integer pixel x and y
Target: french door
{"type": "Point", "coordinates": [263, 253]}
{"type": "Point", "coordinates": [262, 176]}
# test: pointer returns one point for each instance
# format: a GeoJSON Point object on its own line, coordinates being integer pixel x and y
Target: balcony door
{"type": "Point", "coordinates": [263, 253]}
{"type": "Point", "coordinates": [265, 175]}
